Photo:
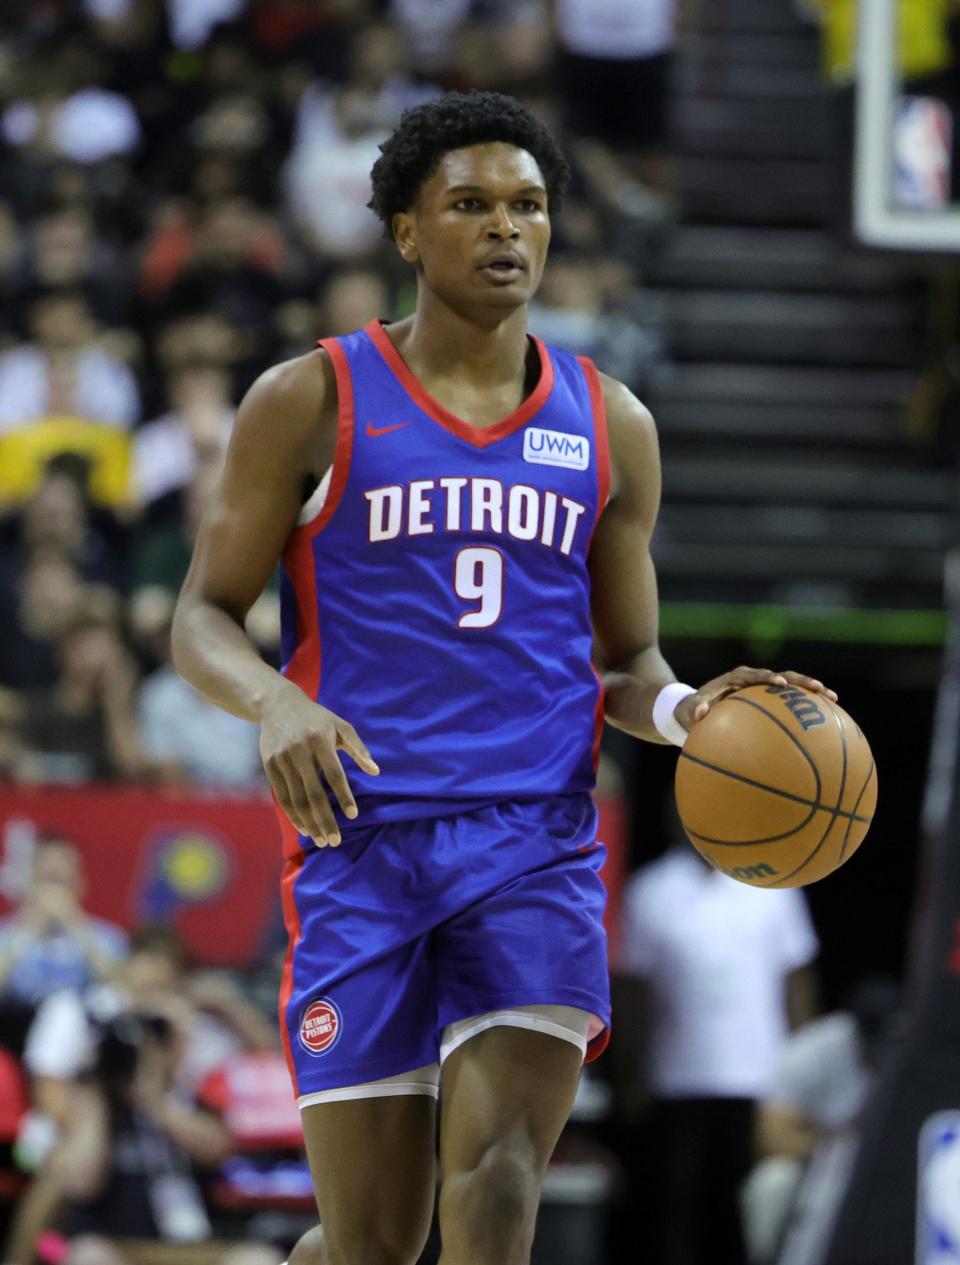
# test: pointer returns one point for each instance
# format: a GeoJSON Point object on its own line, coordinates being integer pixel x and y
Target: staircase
{"type": "Point", "coordinates": [789, 477]}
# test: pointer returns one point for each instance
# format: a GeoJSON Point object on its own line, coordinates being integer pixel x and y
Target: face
{"type": "Point", "coordinates": [56, 514]}
{"type": "Point", "coordinates": [60, 323]}
{"type": "Point", "coordinates": [151, 971]}
{"type": "Point", "coordinates": [353, 299]}
{"type": "Point", "coordinates": [479, 230]}
{"type": "Point", "coordinates": [57, 865]}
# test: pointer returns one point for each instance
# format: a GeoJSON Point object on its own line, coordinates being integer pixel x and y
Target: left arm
{"type": "Point", "coordinates": [624, 584]}
{"type": "Point", "coordinates": [624, 601]}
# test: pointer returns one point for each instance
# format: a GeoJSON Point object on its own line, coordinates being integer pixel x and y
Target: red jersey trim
{"type": "Point", "coordinates": [601, 437]}
{"type": "Point", "coordinates": [597, 1046]}
{"type": "Point", "coordinates": [291, 919]}
{"type": "Point", "coordinates": [303, 669]}
{"type": "Point", "coordinates": [343, 450]}
{"type": "Point", "coordinates": [479, 436]}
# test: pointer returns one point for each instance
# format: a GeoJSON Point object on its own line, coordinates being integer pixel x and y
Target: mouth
{"type": "Point", "coordinates": [503, 269]}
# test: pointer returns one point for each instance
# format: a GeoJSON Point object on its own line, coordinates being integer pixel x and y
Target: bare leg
{"type": "Point", "coordinates": [506, 1095]}
{"type": "Point", "coordinates": [374, 1173]}
{"type": "Point", "coordinates": [308, 1249]}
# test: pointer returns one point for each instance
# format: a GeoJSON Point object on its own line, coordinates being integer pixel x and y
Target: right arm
{"type": "Point", "coordinates": [285, 431]}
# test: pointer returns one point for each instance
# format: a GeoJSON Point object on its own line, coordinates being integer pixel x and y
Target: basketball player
{"type": "Point", "coordinates": [456, 506]}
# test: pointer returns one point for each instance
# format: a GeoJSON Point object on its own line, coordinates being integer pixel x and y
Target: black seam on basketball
{"type": "Point", "coordinates": [753, 843]}
{"type": "Point", "coordinates": [843, 747]}
{"type": "Point", "coordinates": [772, 790]}
{"type": "Point", "coordinates": [748, 702]}
{"type": "Point", "coordinates": [782, 878]}
{"type": "Point", "coordinates": [856, 804]}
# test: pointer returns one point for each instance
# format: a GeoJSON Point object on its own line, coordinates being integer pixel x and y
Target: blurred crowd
{"type": "Point", "coordinates": [133, 1085]}
{"type": "Point", "coordinates": [183, 191]}
{"type": "Point", "coordinates": [146, 1116]}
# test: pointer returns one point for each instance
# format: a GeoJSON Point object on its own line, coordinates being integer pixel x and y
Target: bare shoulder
{"type": "Point", "coordinates": [632, 433]}
{"type": "Point", "coordinates": [292, 407]}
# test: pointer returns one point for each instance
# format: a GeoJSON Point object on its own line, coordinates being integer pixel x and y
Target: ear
{"type": "Point", "coordinates": [405, 235]}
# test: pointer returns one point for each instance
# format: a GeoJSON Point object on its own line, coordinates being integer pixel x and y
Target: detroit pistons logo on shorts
{"type": "Point", "coordinates": [320, 1026]}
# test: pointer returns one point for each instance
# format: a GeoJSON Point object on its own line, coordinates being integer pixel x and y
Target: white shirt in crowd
{"type": "Point", "coordinates": [165, 455]}
{"type": "Point", "coordinates": [716, 954]}
{"type": "Point", "coordinates": [61, 1040]}
{"type": "Point", "coordinates": [430, 26]}
{"type": "Point", "coordinates": [617, 29]}
{"type": "Point", "coordinates": [213, 747]}
{"type": "Point", "coordinates": [191, 21]}
{"type": "Point", "coordinates": [86, 127]}
{"type": "Point", "coordinates": [327, 181]}
{"type": "Point", "coordinates": [104, 389]}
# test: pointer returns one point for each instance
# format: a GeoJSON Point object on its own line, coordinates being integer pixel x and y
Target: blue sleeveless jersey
{"type": "Point", "coordinates": [439, 598]}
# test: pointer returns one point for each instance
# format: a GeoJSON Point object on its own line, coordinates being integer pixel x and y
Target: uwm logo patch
{"type": "Point", "coordinates": [556, 448]}
{"type": "Point", "coordinates": [320, 1026]}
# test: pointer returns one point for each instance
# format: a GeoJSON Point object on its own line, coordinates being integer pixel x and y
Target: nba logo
{"type": "Point", "coordinates": [938, 1191]}
{"type": "Point", "coordinates": [922, 143]}
{"type": "Point", "coordinates": [320, 1026]}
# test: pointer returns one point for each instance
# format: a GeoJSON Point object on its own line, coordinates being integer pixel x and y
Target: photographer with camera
{"type": "Point", "coordinates": [123, 1187]}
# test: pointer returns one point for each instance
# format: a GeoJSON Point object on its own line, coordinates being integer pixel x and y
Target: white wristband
{"type": "Point", "coordinates": [665, 704]}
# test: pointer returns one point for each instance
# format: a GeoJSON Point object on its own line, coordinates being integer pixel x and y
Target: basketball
{"type": "Point", "coordinates": [776, 786]}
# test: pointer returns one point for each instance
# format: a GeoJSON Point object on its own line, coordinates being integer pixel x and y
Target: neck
{"type": "Point", "coordinates": [441, 342]}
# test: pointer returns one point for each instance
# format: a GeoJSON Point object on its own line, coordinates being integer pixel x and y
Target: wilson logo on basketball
{"type": "Point", "coordinates": [320, 1026]}
{"type": "Point", "coordinates": [801, 705]}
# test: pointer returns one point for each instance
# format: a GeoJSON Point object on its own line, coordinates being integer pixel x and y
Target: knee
{"type": "Point", "coordinates": [308, 1250]}
{"type": "Point", "coordinates": [371, 1245]}
{"type": "Point", "coordinates": [369, 1251]}
{"type": "Point", "coordinates": [506, 1178]}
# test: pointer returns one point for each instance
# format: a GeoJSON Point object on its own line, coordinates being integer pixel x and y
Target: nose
{"type": "Point", "coordinates": [500, 225]}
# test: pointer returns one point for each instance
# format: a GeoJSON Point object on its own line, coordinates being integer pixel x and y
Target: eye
{"type": "Point", "coordinates": [467, 204]}
{"type": "Point", "coordinates": [529, 206]}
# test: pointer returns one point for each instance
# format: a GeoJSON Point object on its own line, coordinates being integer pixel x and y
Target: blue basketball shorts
{"type": "Point", "coordinates": [409, 926]}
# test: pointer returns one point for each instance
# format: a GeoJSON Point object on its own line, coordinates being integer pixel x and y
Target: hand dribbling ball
{"type": "Point", "coordinates": [776, 786]}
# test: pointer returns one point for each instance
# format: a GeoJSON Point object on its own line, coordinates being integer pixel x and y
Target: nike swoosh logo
{"type": "Point", "coordinates": [375, 431]}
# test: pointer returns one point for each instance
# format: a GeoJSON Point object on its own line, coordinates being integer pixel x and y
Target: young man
{"type": "Point", "coordinates": [469, 520]}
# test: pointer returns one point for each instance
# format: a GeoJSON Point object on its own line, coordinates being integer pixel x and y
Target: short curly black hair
{"type": "Point", "coordinates": [412, 153]}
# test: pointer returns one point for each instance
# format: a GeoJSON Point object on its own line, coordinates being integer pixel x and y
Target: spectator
{"type": "Point", "coordinates": [122, 1179]}
{"type": "Point", "coordinates": [234, 270]}
{"type": "Point", "coordinates": [50, 942]}
{"type": "Point", "coordinates": [63, 371]}
{"type": "Point", "coordinates": [160, 563]}
{"type": "Point", "coordinates": [351, 299]}
{"type": "Point", "coordinates": [720, 973]}
{"type": "Point", "coordinates": [431, 27]}
{"type": "Point", "coordinates": [216, 1019]}
{"type": "Point", "coordinates": [162, 553]}
{"type": "Point", "coordinates": [806, 1128]}
{"type": "Point", "coordinates": [327, 176]}
{"type": "Point", "coordinates": [75, 117]}
{"type": "Point", "coordinates": [587, 306]}
{"type": "Point", "coordinates": [188, 739]}
{"type": "Point", "coordinates": [65, 252]}
{"type": "Point", "coordinates": [84, 726]}
{"type": "Point", "coordinates": [614, 75]}
{"type": "Point", "coordinates": [56, 521]}
{"type": "Point", "coordinates": [168, 450]}
{"type": "Point", "coordinates": [37, 606]}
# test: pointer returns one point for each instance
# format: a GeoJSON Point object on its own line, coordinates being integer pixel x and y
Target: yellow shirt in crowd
{"type": "Point", "coordinates": [923, 44]}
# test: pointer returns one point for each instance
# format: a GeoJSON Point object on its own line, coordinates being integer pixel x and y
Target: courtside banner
{"type": "Point", "coordinates": [209, 864]}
